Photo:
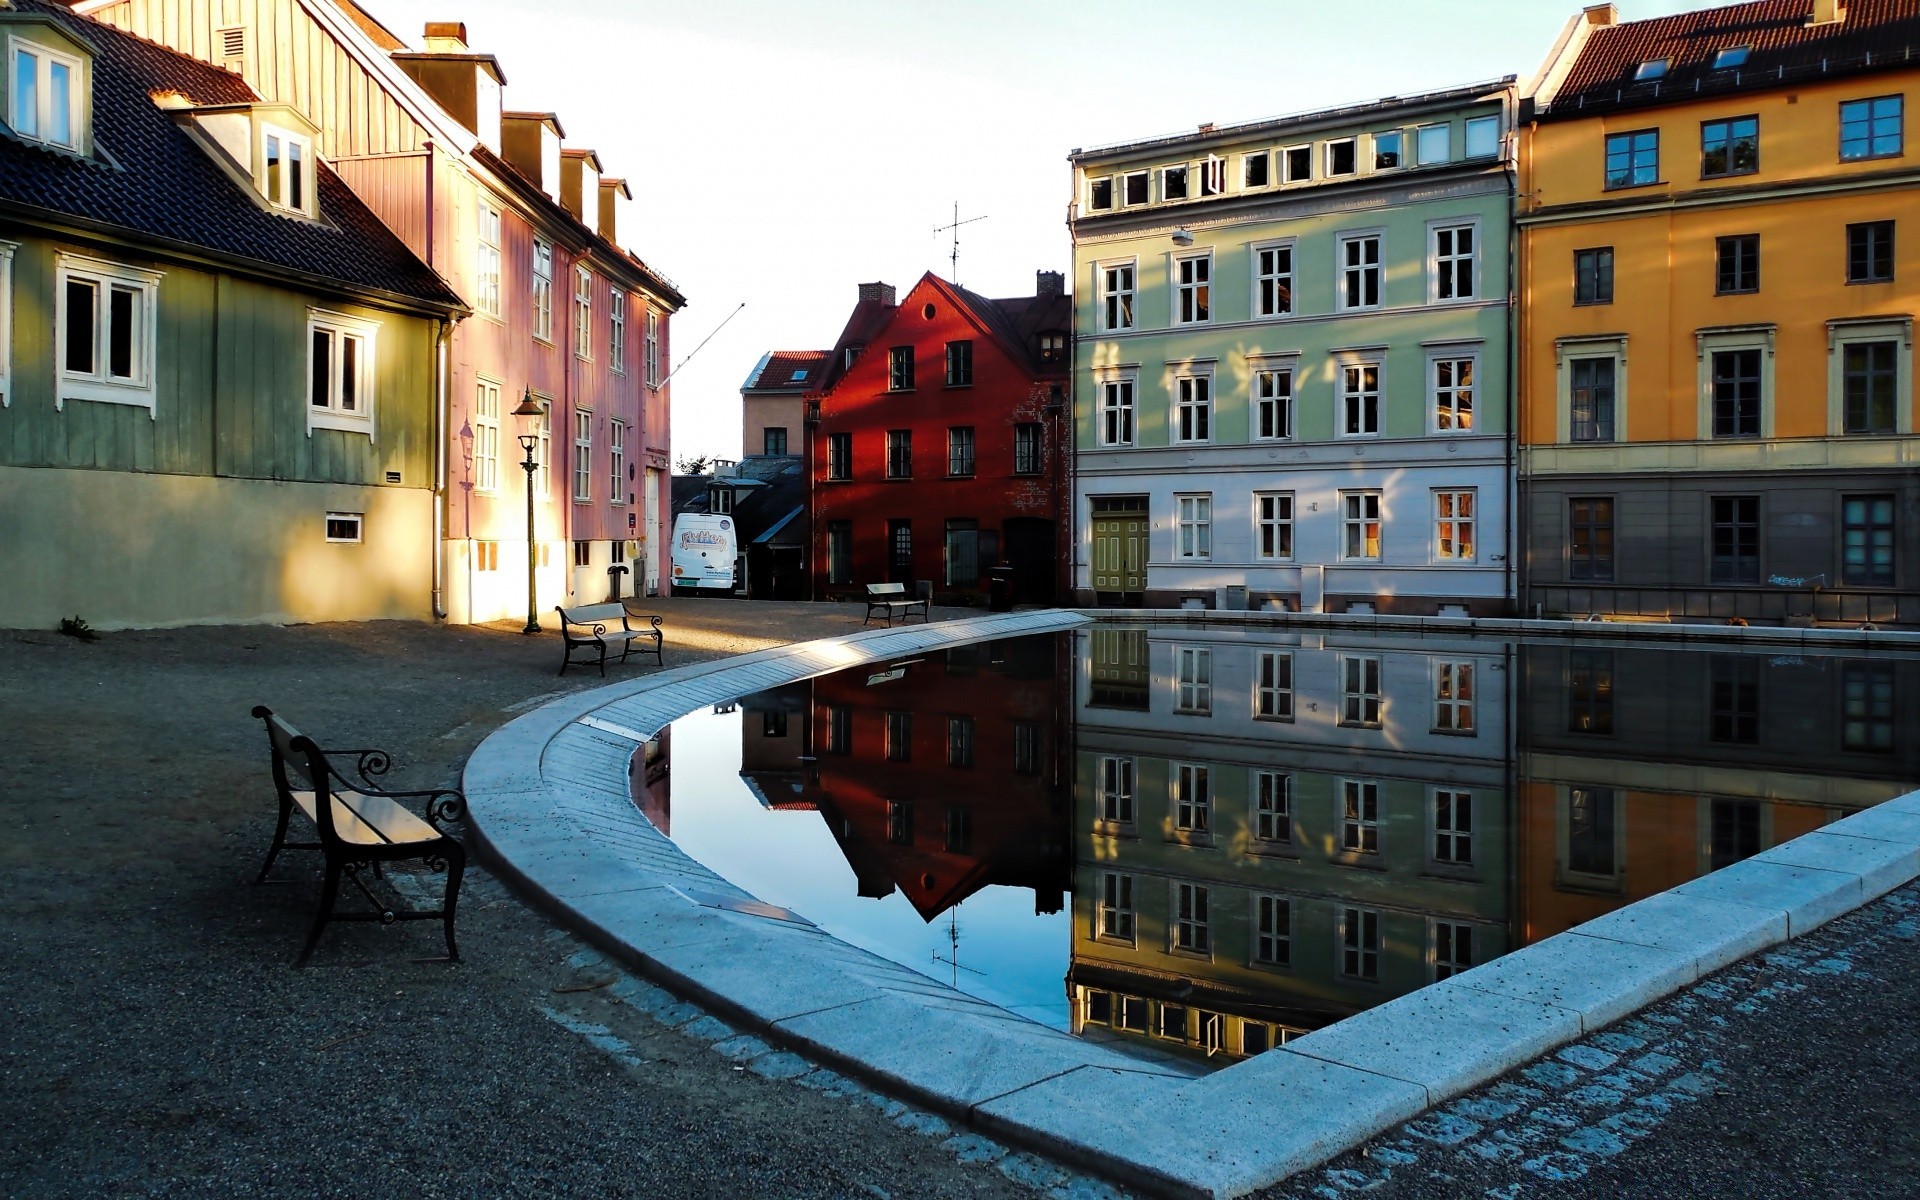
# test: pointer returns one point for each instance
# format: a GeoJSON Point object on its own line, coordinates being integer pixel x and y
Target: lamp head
{"type": "Point", "coordinates": [529, 407]}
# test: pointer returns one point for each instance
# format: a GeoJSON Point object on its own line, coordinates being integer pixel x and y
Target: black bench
{"type": "Point", "coordinates": [360, 825]}
{"type": "Point", "coordinates": [891, 599]}
{"type": "Point", "coordinates": [598, 628]}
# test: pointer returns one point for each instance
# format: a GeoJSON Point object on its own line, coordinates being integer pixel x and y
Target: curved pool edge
{"type": "Point", "coordinates": [549, 805]}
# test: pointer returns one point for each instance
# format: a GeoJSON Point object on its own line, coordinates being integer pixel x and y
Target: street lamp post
{"type": "Point", "coordinates": [529, 442]}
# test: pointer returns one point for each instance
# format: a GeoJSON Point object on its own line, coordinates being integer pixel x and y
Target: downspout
{"type": "Point", "coordinates": [1516, 497]}
{"type": "Point", "coordinates": [443, 349]}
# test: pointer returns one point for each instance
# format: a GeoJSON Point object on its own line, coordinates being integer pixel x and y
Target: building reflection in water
{"type": "Point", "coordinates": [1263, 832]}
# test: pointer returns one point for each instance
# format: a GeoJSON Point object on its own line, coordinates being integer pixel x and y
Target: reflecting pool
{"type": "Point", "coordinates": [1205, 840]}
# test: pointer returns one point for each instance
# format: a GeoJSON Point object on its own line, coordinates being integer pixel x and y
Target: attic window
{"type": "Point", "coordinates": [1732, 56]}
{"type": "Point", "coordinates": [286, 168]}
{"type": "Point", "coordinates": [799, 376]}
{"type": "Point", "coordinates": [45, 94]}
{"type": "Point", "coordinates": [1652, 69]}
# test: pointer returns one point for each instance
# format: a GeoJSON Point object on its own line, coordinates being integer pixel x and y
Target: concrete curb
{"type": "Point", "coordinates": [549, 804]}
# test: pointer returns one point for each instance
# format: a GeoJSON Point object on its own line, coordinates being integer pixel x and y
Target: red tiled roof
{"type": "Point", "coordinates": [1782, 49]}
{"type": "Point", "coordinates": [795, 369]}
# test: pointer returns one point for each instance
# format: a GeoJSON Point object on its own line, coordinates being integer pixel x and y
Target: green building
{"type": "Point", "coordinates": [218, 369]}
{"type": "Point", "coordinates": [1291, 373]}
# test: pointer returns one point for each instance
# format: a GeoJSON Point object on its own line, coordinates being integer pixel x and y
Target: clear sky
{"type": "Point", "coordinates": [783, 151]}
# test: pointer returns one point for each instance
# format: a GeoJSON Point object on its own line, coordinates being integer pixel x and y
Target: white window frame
{"type": "Point", "coordinates": [359, 528]}
{"type": "Point", "coordinates": [1366, 955]}
{"type": "Point", "coordinates": [652, 349]}
{"type": "Point", "coordinates": [1271, 793]}
{"type": "Point", "coordinates": [308, 172]}
{"type": "Point", "coordinates": [1363, 695]}
{"type": "Point", "coordinates": [1456, 696]}
{"type": "Point", "coordinates": [1117, 409]}
{"type": "Point", "coordinates": [1190, 920]}
{"type": "Point", "coordinates": [1359, 271]}
{"type": "Point", "coordinates": [1115, 917]}
{"type": "Point", "coordinates": [1443, 398]}
{"type": "Point", "coordinates": [1438, 262]}
{"type": "Point", "coordinates": [1190, 800]}
{"type": "Point", "coordinates": [1186, 182]}
{"type": "Point", "coordinates": [136, 390]}
{"type": "Point", "coordinates": [1399, 137]}
{"type": "Point", "coordinates": [1191, 277]}
{"type": "Point", "coordinates": [1454, 832]}
{"type": "Point", "coordinates": [1326, 157]}
{"type": "Point", "coordinates": [486, 436]}
{"type": "Point", "coordinates": [1353, 394]}
{"type": "Point", "coordinates": [1113, 193]}
{"type": "Point", "coordinates": [1349, 521]}
{"type": "Point", "coordinates": [79, 94]}
{"type": "Point", "coordinates": [1272, 945]}
{"type": "Point", "coordinates": [617, 462]}
{"type": "Point", "coordinates": [1841, 333]}
{"type": "Point", "coordinates": [1191, 422]}
{"type": "Point", "coordinates": [1193, 526]}
{"type": "Point", "coordinates": [582, 312]}
{"type": "Point", "coordinates": [339, 328]}
{"type": "Point", "coordinates": [543, 289]}
{"type": "Point", "coordinates": [1360, 824]}
{"type": "Point", "coordinates": [1273, 517]}
{"type": "Point", "coordinates": [1213, 175]}
{"type": "Point", "coordinates": [1283, 166]}
{"type": "Point", "coordinates": [617, 330]}
{"type": "Point", "coordinates": [1193, 680]}
{"type": "Point", "coordinates": [1247, 159]}
{"type": "Point", "coordinates": [1273, 699]}
{"type": "Point", "coordinates": [1473, 123]}
{"type": "Point", "coordinates": [582, 456]}
{"type": "Point", "coordinates": [487, 260]}
{"type": "Point", "coordinates": [1111, 310]}
{"type": "Point", "coordinates": [1270, 386]}
{"type": "Point", "coordinates": [1420, 157]}
{"type": "Point", "coordinates": [1115, 796]}
{"type": "Point", "coordinates": [1566, 350]}
{"type": "Point", "coordinates": [1449, 518]}
{"type": "Point", "coordinates": [1269, 283]}
{"type": "Point", "coordinates": [1708, 343]}
{"type": "Point", "coordinates": [1455, 963]}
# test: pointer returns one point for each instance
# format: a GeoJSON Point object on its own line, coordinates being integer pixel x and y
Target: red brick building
{"type": "Point", "coordinates": [937, 448]}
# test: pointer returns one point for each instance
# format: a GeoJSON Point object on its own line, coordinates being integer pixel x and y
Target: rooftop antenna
{"type": "Point", "coordinates": [703, 341]}
{"type": "Point", "coordinates": [954, 258]}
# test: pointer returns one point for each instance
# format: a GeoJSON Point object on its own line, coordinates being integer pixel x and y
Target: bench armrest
{"type": "Point", "coordinates": [653, 619]}
{"type": "Point", "coordinates": [443, 805]}
{"type": "Point", "coordinates": [369, 765]}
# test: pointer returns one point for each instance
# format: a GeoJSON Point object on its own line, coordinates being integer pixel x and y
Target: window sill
{"type": "Point", "coordinates": [1123, 830]}
{"type": "Point", "coordinates": [321, 419]}
{"type": "Point", "coordinates": [1279, 850]}
{"type": "Point", "coordinates": [1752, 291]}
{"type": "Point", "coordinates": [1900, 153]}
{"type": "Point", "coordinates": [1863, 282]}
{"type": "Point", "coordinates": [1455, 733]}
{"type": "Point", "coordinates": [1197, 956]}
{"type": "Point", "coordinates": [544, 341]}
{"type": "Point", "coordinates": [1628, 187]}
{"type": "Point", "coordinates": [1593, 303]}
{"type": "Point", "coordinates": [1106, 939]}
{"type": "Point", "coordinates": [1274, 720]}
{"type": "Point", "coordinates": [898, 479]}
{"type": "Point", "coordinates": [956, 387]}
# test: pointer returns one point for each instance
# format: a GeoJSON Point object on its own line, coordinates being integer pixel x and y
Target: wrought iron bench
{"type": "Point", "coordinates": [598, 628]}
{"type": "Point", "coordinates": [360, 825]}
{"type": "Point", "coordinates": [891, 599]}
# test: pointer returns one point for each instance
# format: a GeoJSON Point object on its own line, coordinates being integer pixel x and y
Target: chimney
{"type": "Point", "coordinates": [446, 37]}
{"type": "Point", "coordinates": [1827, 12]}
{"type": "Point", "coordinates": [465, 84]}
{"type": "Point", "coordinates": [1049, 283]}
{"type": "Point", "coordinates": [881, 293]}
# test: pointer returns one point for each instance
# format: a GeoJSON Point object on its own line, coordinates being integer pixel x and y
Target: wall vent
{"type": "Point", "coordinates": [232, 41]}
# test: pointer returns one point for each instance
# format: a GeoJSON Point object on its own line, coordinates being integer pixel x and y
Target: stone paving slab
{"type": "Point", "coordinates": [1222, 1135]}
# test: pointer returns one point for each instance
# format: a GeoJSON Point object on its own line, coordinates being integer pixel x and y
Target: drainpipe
{"type": "Point", "coordinates": [1518, 584]}
{"type": "Point", "coordinates": [443, 350]}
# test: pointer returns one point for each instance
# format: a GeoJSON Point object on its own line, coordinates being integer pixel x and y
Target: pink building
{"type": "Point", "coordinates": [535, 236]}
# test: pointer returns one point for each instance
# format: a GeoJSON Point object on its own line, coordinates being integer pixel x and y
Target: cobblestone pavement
{"type": "Point", "coordinates": [161, 1045]}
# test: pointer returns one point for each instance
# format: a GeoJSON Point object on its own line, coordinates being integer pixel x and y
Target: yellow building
{"type": "Point", "coordinates": [1720, 259]}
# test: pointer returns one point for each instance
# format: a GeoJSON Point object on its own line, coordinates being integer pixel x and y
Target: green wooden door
{"type": "Point", "coordinates": [1119, 546]}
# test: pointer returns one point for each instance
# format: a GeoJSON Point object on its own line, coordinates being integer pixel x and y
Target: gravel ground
{"type": "Point", "coordinates": [161, 1045]}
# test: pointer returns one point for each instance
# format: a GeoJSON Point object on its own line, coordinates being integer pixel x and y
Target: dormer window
{"type": "Point", "coordinates": [1732, 56]}
{"type": "Point", "coordinates": [1053, 349]}
{"type": "Point", "coordinates": [46, 94]}
{"type": "Point", "coordinates": [286, 161]}
{"type": "Point", "coordinates": [1650, 70]}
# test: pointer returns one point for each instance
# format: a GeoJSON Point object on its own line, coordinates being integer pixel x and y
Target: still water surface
{"type": "Point", "coordinates": [1208, 840]}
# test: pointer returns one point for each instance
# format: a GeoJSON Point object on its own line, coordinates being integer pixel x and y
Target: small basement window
{"type": "Point", "coordinates": [345, 527]}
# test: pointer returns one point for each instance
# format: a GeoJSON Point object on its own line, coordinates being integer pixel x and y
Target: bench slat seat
{"type": "Point", "coordinates": [370, 820]}
{"type": "Point", "coordinates": [889, 600]}
{"type": "Point", "coordinates": [598, 629]}
{"type": "Point", "coordinates": [360, 824]}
